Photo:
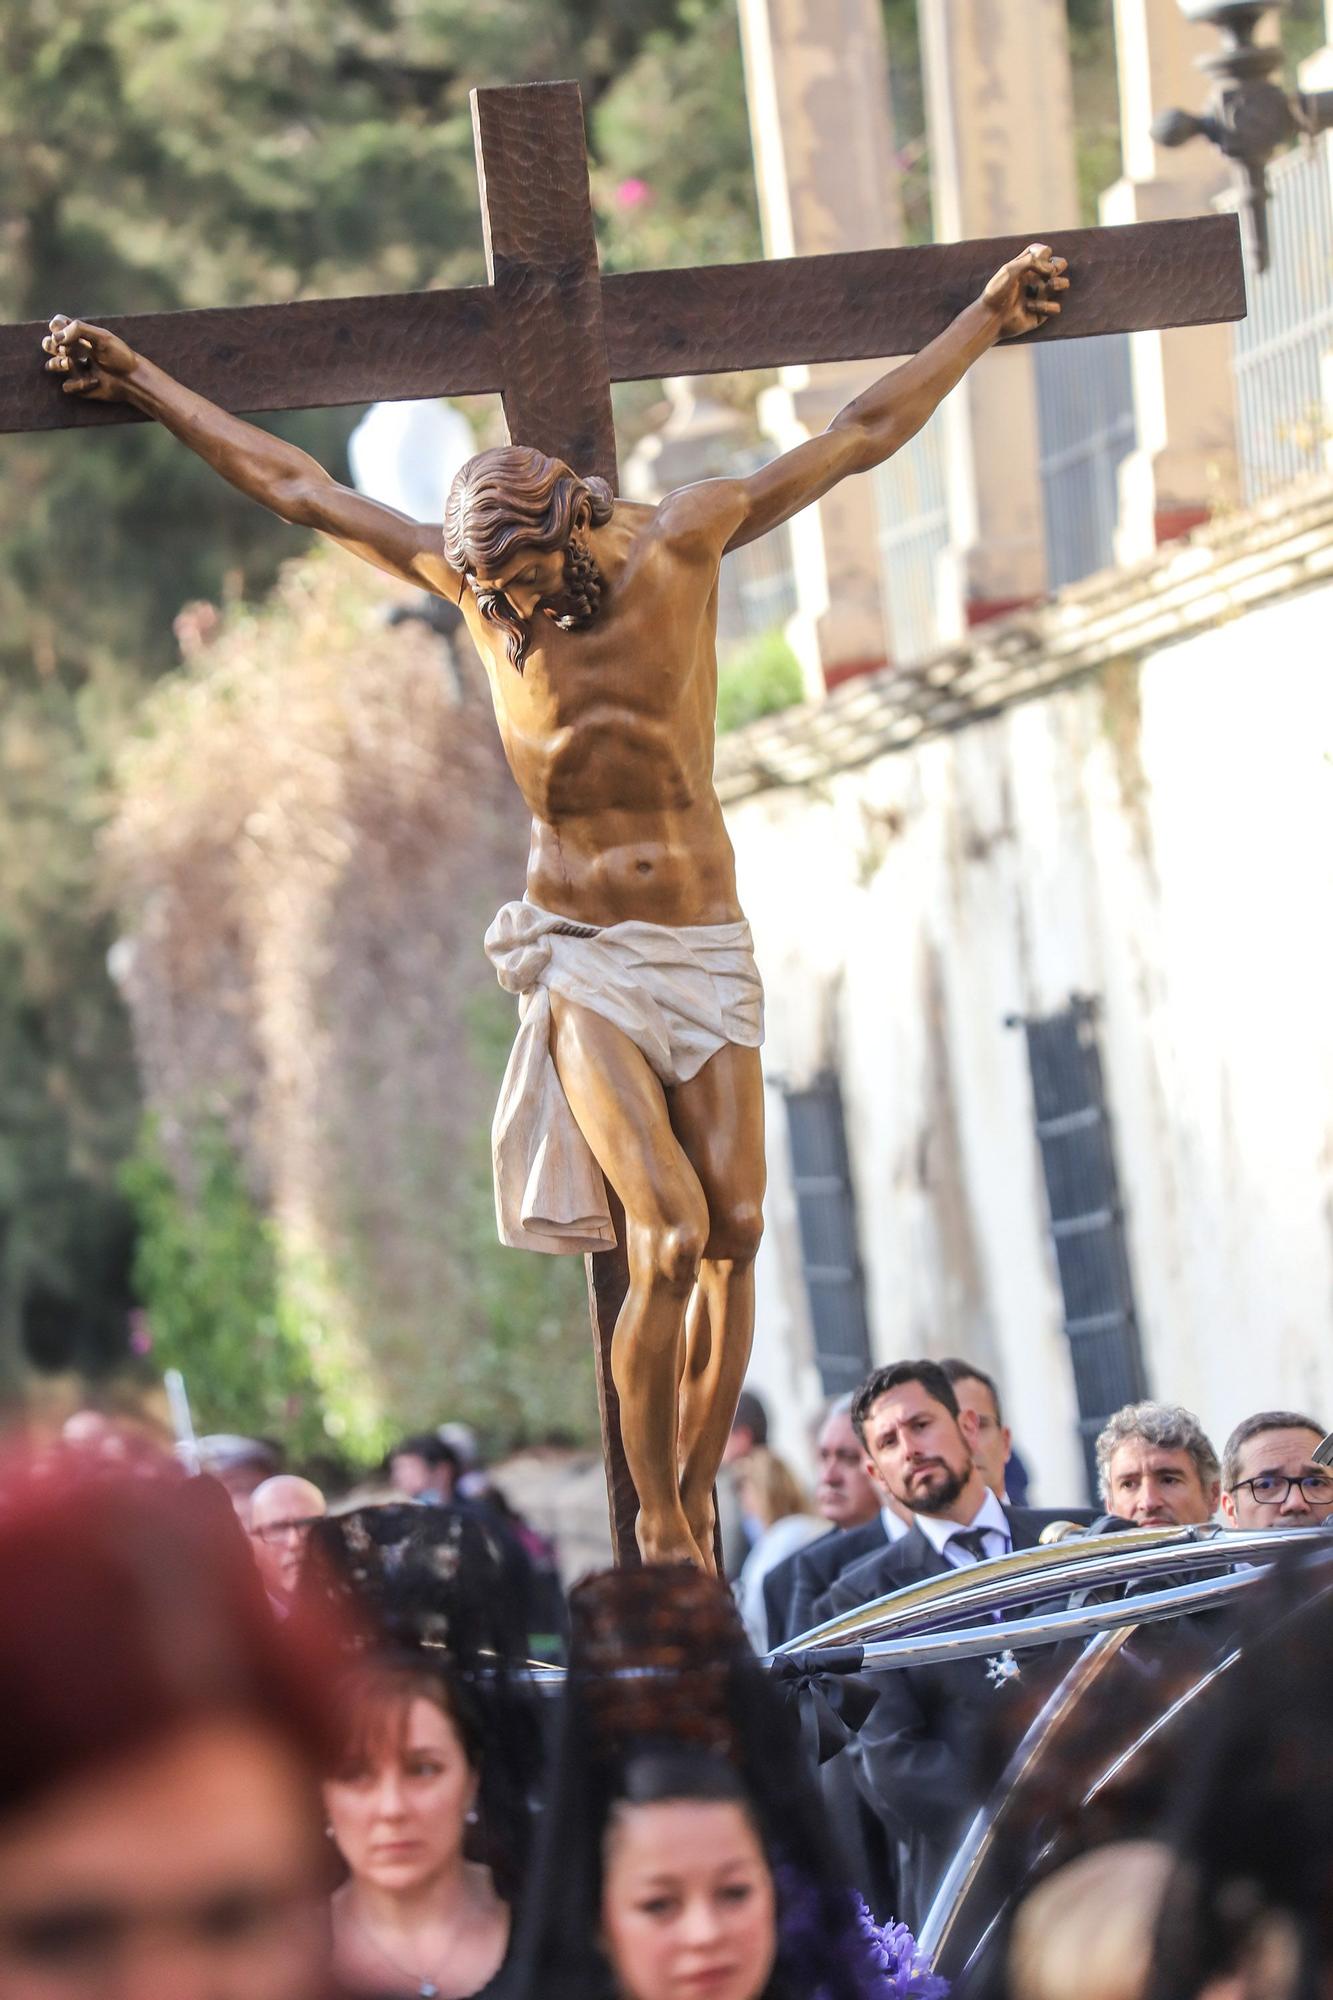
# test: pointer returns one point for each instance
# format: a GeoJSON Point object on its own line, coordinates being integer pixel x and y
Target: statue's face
{"type": "Point", "coordinates": [527, 582]}
{"type": "Point", "coordinates": [564, 585]}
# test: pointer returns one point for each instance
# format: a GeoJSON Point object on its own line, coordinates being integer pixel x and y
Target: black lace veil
{"type": "Point", "coordinates": [660, 1668]}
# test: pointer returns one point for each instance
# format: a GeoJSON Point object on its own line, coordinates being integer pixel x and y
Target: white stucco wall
{"type": "Point", "coordinates": [1162, 838]}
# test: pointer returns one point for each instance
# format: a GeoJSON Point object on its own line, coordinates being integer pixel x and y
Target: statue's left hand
{"type": "Point", "coordinates": [94, 363]}
{"type": "Point", "coordinates": [1022, 294]}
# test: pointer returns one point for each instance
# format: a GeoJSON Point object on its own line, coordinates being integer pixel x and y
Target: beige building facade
{"type": "Point", "coordinates": [1103, 814]}
{"type": "Point", "coordinates": [1126, 796]}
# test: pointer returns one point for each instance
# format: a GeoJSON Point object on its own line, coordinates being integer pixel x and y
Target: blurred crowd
{"type": "Point", "coordinates": [261, 1740]}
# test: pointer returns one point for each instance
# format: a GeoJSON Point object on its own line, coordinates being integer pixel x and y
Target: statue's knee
{"type": "Point", "coordinates": [736, 1233]}
{"type": "Point", "coordinates": [680, 1250]}
{"type": "Point", "coordinates": [671, 1251]}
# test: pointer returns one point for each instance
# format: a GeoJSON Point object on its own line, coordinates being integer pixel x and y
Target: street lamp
{"type": "Point", "coordinates": [1248, 115]}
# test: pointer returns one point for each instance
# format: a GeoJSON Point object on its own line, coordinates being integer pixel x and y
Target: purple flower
{"type": "Point", "coordinates": [905, 1970]}
{"type": "Point", "coordinates": [883, 1959]}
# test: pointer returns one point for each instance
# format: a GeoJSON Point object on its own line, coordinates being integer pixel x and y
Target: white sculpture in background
{"type": "Point", "coordinates": [405, 455]}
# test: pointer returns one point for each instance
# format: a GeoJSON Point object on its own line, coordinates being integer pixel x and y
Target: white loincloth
{"type": "Point", "coordinates": [679, 994]}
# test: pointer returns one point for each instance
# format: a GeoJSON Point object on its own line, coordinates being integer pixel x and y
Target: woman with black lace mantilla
{"type": "Point", "coordinates": [685, 1854]}
{"type": "Point", "coordinates": [427, 1807]}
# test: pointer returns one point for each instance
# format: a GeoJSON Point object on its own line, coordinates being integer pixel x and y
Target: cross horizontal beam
{"type": "Point", "coordinates": [712, 319]}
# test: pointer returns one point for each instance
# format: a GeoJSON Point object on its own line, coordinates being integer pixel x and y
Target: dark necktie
{"type": "Point", "coordinates": [971, 1540]}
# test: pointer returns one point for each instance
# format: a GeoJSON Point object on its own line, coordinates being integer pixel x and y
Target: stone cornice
{"type": "Point", "coordinates": [1223, 570]}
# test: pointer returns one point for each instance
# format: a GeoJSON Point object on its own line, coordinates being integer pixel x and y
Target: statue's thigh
{"type": "Point", "coordinates": [718, 1117]}
{"type": "Point", "coordinates": [621, 1109]}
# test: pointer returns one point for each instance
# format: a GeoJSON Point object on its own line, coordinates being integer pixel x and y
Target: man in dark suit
{"type": "Point", "coordinates": [853, 1503]}
{"type": "Point", "coordinates": [803, 1580]}
{"type": "Point", "coordinates": [918, 1753]}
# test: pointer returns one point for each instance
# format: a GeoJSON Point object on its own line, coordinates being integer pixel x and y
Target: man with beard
{"type": "Point", "coordinates": [862, 1521]}
{"type": "Point", "coordinates": [641, 1012]}
{"type": "Point", "coordinates": [918, 1753]}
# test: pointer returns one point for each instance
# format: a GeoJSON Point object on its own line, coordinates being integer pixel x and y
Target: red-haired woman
{"type": "Point", "coordinates": [428, 1799]}
{"type": "Point", "coordinates": [161, 1738]}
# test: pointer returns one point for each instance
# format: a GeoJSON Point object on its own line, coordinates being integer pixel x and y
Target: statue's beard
{"type": "Point", "coordinates": [579, 601]}
{"type": "Point", "coordinates": [575, 607]}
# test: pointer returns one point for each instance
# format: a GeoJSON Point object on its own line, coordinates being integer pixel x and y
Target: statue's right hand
{"type": "Point", "coordinates": [94, 363]}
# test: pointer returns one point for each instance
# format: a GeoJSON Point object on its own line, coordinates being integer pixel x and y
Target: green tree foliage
{"type": "Point", "coordinates": [207, 1269]}
{"type": "Point", "coordinates": [757, 679]}
{"type": "Point", "coordinates": [1303, 28]}
{"type": "Point", "coordinates": [907, 84]}
{"type": "Point", "coordinates": [66, 1072]}
{"type": "Point", "coordinates": [1096, 101]}
{"type": "Point", "coordinates": [674, 182]}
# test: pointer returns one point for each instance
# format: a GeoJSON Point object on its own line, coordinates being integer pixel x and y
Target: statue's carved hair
{"type": "Point", "coordinates": [514, 497]}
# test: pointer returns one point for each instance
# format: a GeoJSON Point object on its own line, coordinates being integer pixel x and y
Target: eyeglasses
{"type": "Point", "coordinates": [1270, 1489]}
{"type": "Point", "coordinates": [286, 1531]}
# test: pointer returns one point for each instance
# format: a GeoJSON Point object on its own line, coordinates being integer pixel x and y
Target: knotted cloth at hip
{"type": "Point", "coordinates": [679, 994]}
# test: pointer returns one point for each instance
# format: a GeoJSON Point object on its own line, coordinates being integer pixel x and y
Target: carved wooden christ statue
{"type": "Point", "coordinates": [641, 1012]}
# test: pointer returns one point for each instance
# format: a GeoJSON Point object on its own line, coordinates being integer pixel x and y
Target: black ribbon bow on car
{"type": "Point", "coordinates": [831, 1700]}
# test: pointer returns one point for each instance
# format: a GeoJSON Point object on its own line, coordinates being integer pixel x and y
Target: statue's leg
{"type": "Point", "coordinates": [621, 1109]}
{"type": "Point", "coordinates": [719, 1119]}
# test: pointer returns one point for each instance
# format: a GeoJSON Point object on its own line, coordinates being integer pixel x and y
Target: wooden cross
{"type": "Point", "coordinates": [551, 335]}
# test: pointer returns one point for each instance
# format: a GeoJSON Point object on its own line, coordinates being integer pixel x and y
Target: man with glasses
{"type": "Point", "coordinates": [1270, 1478]}
{"type": "Point", "coordinates": [282, 1512]}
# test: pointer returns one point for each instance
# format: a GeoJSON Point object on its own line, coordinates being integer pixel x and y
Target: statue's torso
{"type": "Point", "coordinates": [609, 733]}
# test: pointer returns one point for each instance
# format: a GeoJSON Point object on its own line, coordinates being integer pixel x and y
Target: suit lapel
{"type": "Point", "coordinates": [850, 1545]}
{"type": "Point", "coordinates": [914, 1551]}
{"type": "Point", "coordinates": [1024, 1527]}
{"type": "Point", "coordinates": [863, 1541]}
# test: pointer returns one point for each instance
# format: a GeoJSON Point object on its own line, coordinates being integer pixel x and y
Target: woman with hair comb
{"type": "Point", "coordinates": [685, 1854]}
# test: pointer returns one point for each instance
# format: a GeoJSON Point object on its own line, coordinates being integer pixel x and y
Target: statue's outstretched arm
{"type": "Point", "coordinates": [1021, 296]}
{"type": "Point", "coordinates": [99, 365]}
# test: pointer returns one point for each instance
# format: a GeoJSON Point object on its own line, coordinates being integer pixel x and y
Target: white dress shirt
{"type": "Point", "coordinates": [894, 1525]}
{"type": "Point", "coordinates": [989, 1517]}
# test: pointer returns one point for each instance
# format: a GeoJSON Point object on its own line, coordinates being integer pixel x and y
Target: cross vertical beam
{"type": "Point", "coordinates": [541, 257]}
{"type": "Point", "coordinates": [608, 1282]}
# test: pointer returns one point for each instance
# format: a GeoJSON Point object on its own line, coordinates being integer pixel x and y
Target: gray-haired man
{"type": "Point", "coordinates": [1157, 1468]}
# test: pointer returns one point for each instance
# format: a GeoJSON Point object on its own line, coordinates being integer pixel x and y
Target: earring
{"type": "Point", "coordinates": [328, 1830]}
{"type": "Point", "coordinates": [471, 1816]}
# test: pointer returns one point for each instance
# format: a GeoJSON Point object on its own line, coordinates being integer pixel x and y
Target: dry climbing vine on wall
{"type": "Point", "coordinates": [309, 845]}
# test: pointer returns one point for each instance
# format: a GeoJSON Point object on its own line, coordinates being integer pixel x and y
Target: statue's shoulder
{"type": "Point", "coordinates": [696, 519]}
{"type": "Point", "coordinates": [636, 515]}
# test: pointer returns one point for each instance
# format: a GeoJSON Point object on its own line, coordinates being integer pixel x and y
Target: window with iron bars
{"type": "Point", "coordinates": [1086, 1218]}
{"type": "Point", "coordinates": [826, 1217]}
